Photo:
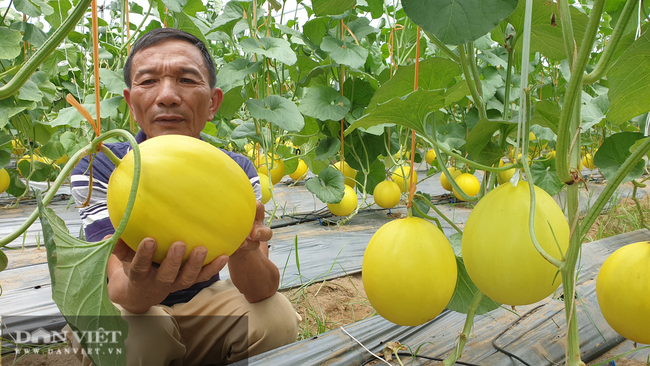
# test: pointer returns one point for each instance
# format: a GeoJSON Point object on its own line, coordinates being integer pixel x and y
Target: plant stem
{"type": "Point", "coordinates": [464, 63]}
{"type": "Point", "coordinates": [423, 198]}
{"type": "Point", "coordinates": [44, 51]}
{"type": "Point", "coordinates": [574, 89]}
{"type": "Point", "coordinates": [464, 336]}
{"type": "Point", "coordinates": [567, 32]}
{"type": "Point", "coordinates": [91, 148]}
{"type": "Point", "coordinates": [471, 58]}
{"type": "Point", "coordinates": [506, 99]}
{"type": "Point", "coordinates": [612, 45]}
{"type": "Point", "coordinates": [435, 40]}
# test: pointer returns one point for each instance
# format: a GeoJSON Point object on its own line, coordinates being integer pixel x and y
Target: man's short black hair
{"type": "Point", "coordinates": [158, 35]}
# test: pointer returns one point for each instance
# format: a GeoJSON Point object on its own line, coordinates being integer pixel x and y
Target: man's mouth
{"type": "Point", "coordinates": [168, 119]}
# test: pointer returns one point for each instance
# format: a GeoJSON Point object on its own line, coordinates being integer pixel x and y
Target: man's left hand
{"type": "Point", "coordinates": [259, 232]}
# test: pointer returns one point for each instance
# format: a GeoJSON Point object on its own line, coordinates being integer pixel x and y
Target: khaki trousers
{"type": "Point", "coordinates": [217, 326]}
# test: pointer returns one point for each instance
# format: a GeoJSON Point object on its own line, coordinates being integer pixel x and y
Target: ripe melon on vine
{"type": "Point", "coordinates": [497, 249]}
{"type": "Point", "coordinates": [623, 291]}
{"type": "Point", "coordinates": [409, 271]}
{"type": "Point", "coordinates": [189, 191]}
{"type": "Point", "coordinates": [387, 194]}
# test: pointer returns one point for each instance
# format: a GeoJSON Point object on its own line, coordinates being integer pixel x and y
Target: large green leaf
{"type": "Point", "coordinates": [9, 43]}
{"type": "Point", "coordinates": [546, 114]}
{"type": "Point", "coordinates": [233, 73]}
{"type": "Point", "coordinates": [277, 110]}
{"type": "Point", "coordinates": [30, 91]}
{"type": "Point", "coordinates": [71, 117]}
{"type": "Point", "coordinates": [410, 111]}
{"type": "Point", "coordinates": [629, 82]}
{"type": "Point", "coordinates": [61, 8]}
{"type": "Point", "coordinates": [246, 130]}
{"type": "Point", "coordinates": [233, 12]}
{"type": "Point", "coordinates": [232, 101]}
{"type": "Point", "coordinates": [175, 5]}
{"type": "Point", "coordinates": [316, 29]}
{"type": "Point", "coordinates": [480, 146]}
{"type": "Point", "coordinates": [376, 175]}
{"type": "Point", "coordinates": [361, 27]}
{"type": "Point", "coordinates": [332, 7]}
{"type": "Point", "coordinates": [458, 21]}
{"type": "Point", "coordinates": [328, 186]}
{"type": "Point", "coordinates": [33, 8]}
{"type": "Point", "coordinates": [327, 148]}
{"type": "Point", "coordinates": [112, 80]}
{"type": "Point", "coordinates": [434, 73]}
{"type": "Point", "coordinates": [545, 37]}
{"type": "Point", "coordinates": [7, 112]}
{"type": "Point", "coordinates": [275, 48]}
{"type": "Point", "coordinates": [323, 102]}
{"type": "Point", "coordinates": [545, 176]}
{"type": "Point", "coordinates": [613, 152]}
{"type": "Point", "coordinates": [79, 288]}
{"type": "Point", "coordinates": [346, 53]}
{"type": "Point", "coordinates": [191, 25]}
{"type": "Point", "coordinates": [465, 288]}
{"type": "Point", "coordinates": [303, 66]}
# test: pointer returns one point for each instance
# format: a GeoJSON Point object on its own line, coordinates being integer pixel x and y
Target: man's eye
{"type": "Point", "coordinates": [148, 81]}
{"type": "Point", "coordinates": [186, 80]}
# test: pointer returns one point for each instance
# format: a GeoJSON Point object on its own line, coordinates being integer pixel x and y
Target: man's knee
{"type": "Point", "coordinates": [272, 323]}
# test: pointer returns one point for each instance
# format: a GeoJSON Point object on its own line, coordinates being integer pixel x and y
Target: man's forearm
{"type": "Point", "coordinates": [253, 273]}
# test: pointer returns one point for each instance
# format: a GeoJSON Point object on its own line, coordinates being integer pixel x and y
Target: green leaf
{"type": "Point", "coordinates": [332, 7]}
{"type": "Point", "coordinates": [594, 111]}
{"type": "Point", "coordinates": [71, 117]}
{"type": "Point", "coordinates": [79, 288]}
{"type": "Point", "coordinates": [545, 176]}
{"type": "Point", "coordinates": [465, 292]}
{"type": "Point", "coordinates": [232, 102]}
{"type": "Point", "coordinates": [458, 21]}
{"type": "Point", "coordinates": [29, 91]}
{"type": "Point", "coordinates": [194, 6]}
{"type": "Point", "coordinates": [324, 103]}
{"type": "Point", "coordinates": [376, 175]}
{"type": "Point", "coordinates": [480, 146]}
{"type": "Point", "coordinates": [233, 73]}
{"type": "Point", "coordinates": [547, 114]}
{"type": "Point", "coordinates": [457, 92]}
{"type": "Point", "coordinates": [410, 111]}
{"type": "Point", "coordinates": [246, 130]}
{"type": "Point", "coordinates": [361, 27]}
{"type": "Point", "coordinates": [60, 12]}
{"type": "Point", "coordinates": [5, 157]}
{"type": "Point", "coordinates": [277, 110]}
{"type": "Point", "coordinates": [629, 78]}
{"type": "Point", "coordinates": [546, 38]}
{"type": "Point", "coordinates": [191, 25]}
{"type": "Point", "coordinates": [346, 53]}
{"type": "Point", "coordinates": [309, 131]}
{"type": "Point", "coordinates": [112, 80]}
{"type": "Point", "coordinates": [275, 48]}
{"type": "Point", "coordinates": [434, 73]}
{"type": "Point", "coordinates": [53, 150]}
{"type": "Point", "coordinates": [7, 112]}
{"type": "Point", "coordinates": [613, 153]}
{"type": "Point", "coordinates": [33, 34]}
{"type": "Point", "coordinates": [233, 12]}
{"type": "Point", "coordinates": [9, 43]}
{"type": "Point", "coordinates": [328, 186]}
{"type": "Point", "coordinates": [491, 82]}
{"type": "Point", "coordinates": [451, 135]}
{"type": "Point", "coordinates": [421, 204]}
{"type": "Point", "coordinates": [327, 148]}
{"type": "Point", "coordinates": [316, 29]}
{"type": "Point", "coordinates": [175, 5]}
{"type": "Point", "coordinates": [28, 8]}
{"type": "Point", "coordinates": [301, 69]}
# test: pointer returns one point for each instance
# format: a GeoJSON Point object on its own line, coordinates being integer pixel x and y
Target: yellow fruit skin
{"type": "Point", "coordinates": [504, 177]}
{"type": "Point", "coordinates": [409, 271]}
{"type": "Point", "coordinates": [444, 182]}
{"type": "Point", "coordinates": [498, 252]}
{"type": "Point", "coordinates": [265, 188]}
{"type": "Point", "coordinates": [349, 173]}
{"type": "Point", "coordinates": [300, 172]}
{"type": "Point", "coordinates": [623, 291]}
{"type": "Point", "coordinates": [431, 156]}
{"type": "Point", "coordinates": [277, 169]}
{"type": "Point", "coordinates": [347, 204]}
{"type": "Point", "coordinates": [5, 179]}
{"type": "Point", "coordinates": [469, 184]}
{"type": "Point", "coordinates": [62, 160]}
{"type": "Point", "coordinates": [402, 176]}
{"type": "Point", "coordinates": [189, 191]}
{"type": "Point", "coordinates": [17, 147]}
{"type": "Point", "coordinates": [386, 194]}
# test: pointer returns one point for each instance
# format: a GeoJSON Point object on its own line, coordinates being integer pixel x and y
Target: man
{"type": "Point", "coordinates": [171, 79]}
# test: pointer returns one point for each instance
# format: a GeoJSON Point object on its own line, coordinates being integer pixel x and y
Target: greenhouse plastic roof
{"type": "Point", "coordinates": [332, 251]}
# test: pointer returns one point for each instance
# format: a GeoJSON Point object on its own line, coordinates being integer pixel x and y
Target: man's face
{"type": "Point", "coordinates": [170, 91]}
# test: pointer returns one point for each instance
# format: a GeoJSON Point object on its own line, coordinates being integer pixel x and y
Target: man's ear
{"type": "Point", "coordinates": [215, 101]}
{"type": "Point", "coordinates": [127, 98]}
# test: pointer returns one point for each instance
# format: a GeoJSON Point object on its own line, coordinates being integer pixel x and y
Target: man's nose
{"type": "Point", "coordinates": [168, 93]}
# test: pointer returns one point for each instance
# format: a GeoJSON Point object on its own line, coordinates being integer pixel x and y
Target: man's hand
{"type": "Point", "coordinates": [251, 271]}
{"type": "Point", "coordinates": [137, 285]}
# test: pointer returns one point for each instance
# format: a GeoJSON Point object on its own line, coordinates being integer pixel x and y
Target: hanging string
{"type": "Point", "coordinates": [96, 65]}
{"type": "Point", "coordinates": [415, 87]}
{"type": "Point", "coordinates": [391, 39]}
{"type": "Point", "coordinates": [342, 160]}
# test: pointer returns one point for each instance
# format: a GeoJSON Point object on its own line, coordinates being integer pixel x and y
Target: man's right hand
{"type": "Point", "coordinates": [137, 285]}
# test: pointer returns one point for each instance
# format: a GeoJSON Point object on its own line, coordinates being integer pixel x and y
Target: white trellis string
{"type": "Point", "coordinates": [364, 347]}
{"type": "Point", "coordinates": [525, 60]}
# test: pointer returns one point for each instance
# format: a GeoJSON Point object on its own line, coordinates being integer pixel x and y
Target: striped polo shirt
{"type": "Point", "coordinates": [95, 218]}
